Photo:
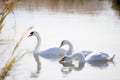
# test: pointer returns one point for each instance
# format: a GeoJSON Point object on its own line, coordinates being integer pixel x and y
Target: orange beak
{"type": "Point", "coordinates": [60, 61]}
{"type": "Point", "coordinates": [60, 45]}
{"type": "Point", "coordinates": [29, 35]}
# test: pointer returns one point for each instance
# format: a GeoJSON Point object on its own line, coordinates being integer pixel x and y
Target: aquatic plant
{"type": "Point", "coordinates": [7, 68]}
{"type": "Point", "coordinates": [14, 58]}
{"type": "Point", "coordinates": [9, 6]}
{"type": "Point", "coordinates": [17, 44]}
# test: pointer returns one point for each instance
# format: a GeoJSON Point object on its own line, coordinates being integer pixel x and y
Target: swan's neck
{"type": "Point", "coordinates": [37, 48]}
{"type": "Point", "coordinates": [70, 49]}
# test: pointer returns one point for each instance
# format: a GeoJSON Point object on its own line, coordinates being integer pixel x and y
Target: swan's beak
{"type": "Point", "coordinates": [61, 61]}
{"type": "Point", "coordinates": [60, 45]}
{"type": "Point", "coordinates": [29, 35]}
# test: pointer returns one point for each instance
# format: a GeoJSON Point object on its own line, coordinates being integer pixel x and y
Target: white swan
{"type": "Point", "coordinates": [99, 57]}
{"type": "Point", "coordinates": [46, 53]}
{"type": "Point", "coordinates": [91, 57]}
{"type": "Point", "coordinates": [69, 56]}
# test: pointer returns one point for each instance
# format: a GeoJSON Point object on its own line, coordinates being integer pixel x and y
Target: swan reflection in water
{"type": "Point", "coordinates": [100, 64]}
{"type": "Point", "coordinates": [71, 65]}
{"type": "Point", "coordinates": [36, 74]}
{"type": "Point", "coordinates": [68, 67]}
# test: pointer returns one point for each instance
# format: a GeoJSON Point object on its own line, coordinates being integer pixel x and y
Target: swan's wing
{"type": "Point", "coordinates": [86, 53]}
{"type": "Point", "coordinates": [96, 57]}
{"type": "Point", "coordinates": [104, 54]}
{"type": "Point", "coordinates": [53, 53]}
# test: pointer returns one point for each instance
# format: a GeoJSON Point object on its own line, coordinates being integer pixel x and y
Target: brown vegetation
{"type": "Point", "coordinates": [9, 6]}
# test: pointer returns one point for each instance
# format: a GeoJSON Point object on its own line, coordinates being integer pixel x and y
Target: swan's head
{"type": "Point", "coordinates": [33, 33]}
{"type": "Point", "coordinates": [65, 59]}
{"type": "Point", "coordinates": [64, 42]}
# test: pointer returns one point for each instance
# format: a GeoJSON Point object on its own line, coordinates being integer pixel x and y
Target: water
{"type": "Point", "coordinates": [90, 25]}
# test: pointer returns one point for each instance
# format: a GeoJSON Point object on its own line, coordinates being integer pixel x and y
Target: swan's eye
{"type": "Point", "coordinates": [31, 33]}
{"type": "Point", "coordinates": [64, 58]}
{"type": "Point", "coordinates": [62, 43]}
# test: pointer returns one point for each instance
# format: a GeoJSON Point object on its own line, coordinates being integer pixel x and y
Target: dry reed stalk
{"type": "Point", "coordinates": [7, 68]}
{"type": "Point", "coordinates": [13, 60]}
{"type": "Point", "coordinates": [17, 44]}
{"type": "Point", "coordinates": [19, 57]}
{"type": "Point", "coordinates": [10, 4]}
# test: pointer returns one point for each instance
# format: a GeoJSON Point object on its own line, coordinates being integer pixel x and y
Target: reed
{"type": "Point", "coordinates": [21, 38]}
{"type": "Point", "coordinates": [9, 6]}
{"type": "Point", "coordinates": [22, 54]}
{"type": "Point", "coordinates": [7, 68]}
{"type": "Point", "coordinates": [16, 58]}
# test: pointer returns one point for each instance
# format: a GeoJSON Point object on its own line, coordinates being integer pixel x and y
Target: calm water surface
{"type": "Point", "coordinates": [90, 25]}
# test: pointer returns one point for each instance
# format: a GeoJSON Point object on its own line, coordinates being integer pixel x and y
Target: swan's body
{"type": "Point", "coordinates": [99, 57]}
{"type": "Point", "coordinates": [52, 53]}
{"type": "Point", "coordinates": [84, 56]}
{"type": "Point", "coordinates": [86, 53]}
{"type": "Point", "coordinates": [46, 53]}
